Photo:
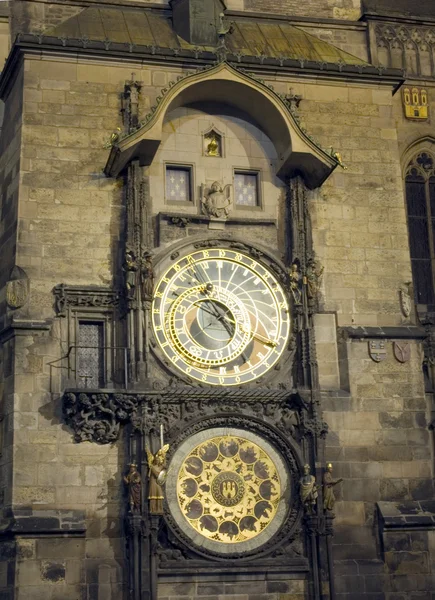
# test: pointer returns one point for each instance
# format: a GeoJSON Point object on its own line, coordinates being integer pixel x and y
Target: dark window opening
{"type": "Point", "coordinates": [420, 203]}
{"type": "Point", "coordinates": [90, 354]}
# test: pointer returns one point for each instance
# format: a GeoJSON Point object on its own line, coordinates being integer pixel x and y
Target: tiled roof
{"type": "Point", "coordinates": [250, 37]}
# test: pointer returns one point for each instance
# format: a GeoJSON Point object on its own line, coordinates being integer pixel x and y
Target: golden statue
{"type": "Point", "coordinates": [134, 483]}
{"type": "Point", "coordinates": [328, 489]}
{"type": "Point", "coordinates": [213, 146]}
{"type": "Point", "coordinates": [157, 476]}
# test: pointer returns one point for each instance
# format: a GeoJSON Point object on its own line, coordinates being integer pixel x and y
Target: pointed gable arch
{"type": "Point", "coordinates": [297, 151]}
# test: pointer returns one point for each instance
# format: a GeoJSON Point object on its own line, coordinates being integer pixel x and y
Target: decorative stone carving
{"type": "Point", "coordinates": [98, 417]}
{"type": "Point", "coordinates": [130, 268]}
{"type": "Point", "coordinates": [308, 491]}
{"type": "Point", "coordinates": [147, 277]}
{"type": "Point", "coordinates": [402, 351]}
{"type": "Point", "coordinates": [17, 288]}
{"type": "Point", "coordinates": [67, 296]}
{"type": "Point", "coordinates": [313, 279]}
{"type": "Point", "coordinates": [216, 201]}
{"type": "Point", "coordinates": [295, 278]}
{"type": "Point", "coordinates": [377, 350]}
{"type": "Point", "coordinates": [328, 489]}
{"type": "Point", "coordinates": [133, 481]}
{"type": "Point", "coordinates": [130, 103]}
{"type": "Point", "coordinates": [405, 299]}
{"type": "Point", "coordinates": [157, 477]}
{"type": "Point", "coordinates": [406, 47]}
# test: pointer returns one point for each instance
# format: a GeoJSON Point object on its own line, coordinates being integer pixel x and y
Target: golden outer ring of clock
{"type": "Point", "coordinates": [243, 297]}
{"type": "Point", "coordinates": [228, 490]}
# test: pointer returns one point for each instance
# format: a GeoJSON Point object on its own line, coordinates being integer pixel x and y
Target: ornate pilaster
{"type": "Point", "coordinates": [138, 270]}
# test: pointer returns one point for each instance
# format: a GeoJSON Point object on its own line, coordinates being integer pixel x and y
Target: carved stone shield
{"type": "Point", "coordinates": [377, 351]}
{"type": "Point", "coordinates": [17, 288]}
{"type": "Point", "coordinates": [402, 351]}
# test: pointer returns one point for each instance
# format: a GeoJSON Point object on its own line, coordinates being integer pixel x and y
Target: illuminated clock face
{"type": "Point", "coordinates": [220, 316]}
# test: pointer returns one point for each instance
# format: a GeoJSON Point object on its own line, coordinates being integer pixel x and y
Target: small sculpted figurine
{"type": "Point", "coordinates": [130, 268]}
{"type": "Point", "coordinates": [308, 491]}
{"type": "Point", "coordinates": [147, 277]}
{"type": "Point", "coordinates": [313, 279]}
{"type": "Point", "coordinates": [328, 489]}
{"type": "Point", "coordinates": [134, 482]}
{"type": "Point", "coordinates": [157, 477]}
{"type": "Point", "coordinates": [217, 201]}
{"type": "Point", "coordinates": [213, 146]}
{"type": "Point", "coordinates": [295, 278]}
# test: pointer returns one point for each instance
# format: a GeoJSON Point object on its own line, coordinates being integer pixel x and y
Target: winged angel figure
{"type": "Point", "coordinates": [216, 201]}
{"type": "Point", "coordinates": [157, 476]}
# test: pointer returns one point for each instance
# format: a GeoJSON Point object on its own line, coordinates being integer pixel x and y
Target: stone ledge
{"type": "Point", "coordinates": [410, 332]}
{"type": "Point", "coordinates": [58, 523]}
{"type": "Point", "coordinates": [406, 515]}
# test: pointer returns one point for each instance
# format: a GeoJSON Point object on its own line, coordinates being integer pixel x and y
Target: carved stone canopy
{"type": "Point", "coordinates": [224, 83]}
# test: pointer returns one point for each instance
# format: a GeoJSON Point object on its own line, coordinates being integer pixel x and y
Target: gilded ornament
{"type": "Point", "coordinates": [328, 489]}
{"type": "Point", "coordinates": [228, 489]}
{"type": "Point", "coordinates": [415, 103]}
{"type": "Point", "coordinates": [213, 144]}
{"type": "Point", "coordinates": [157, 477]}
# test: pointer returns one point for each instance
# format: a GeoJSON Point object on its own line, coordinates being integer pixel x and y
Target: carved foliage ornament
{"type": "Point", "coordinates": [77, 297]}
{"type": "Point", "coordinates": [98, 417]}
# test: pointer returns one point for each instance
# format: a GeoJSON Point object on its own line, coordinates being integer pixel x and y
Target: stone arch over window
{"type": "Point", "coordinates": [297, 152]}
{"type": "Point", "coordinates": [419, 174]}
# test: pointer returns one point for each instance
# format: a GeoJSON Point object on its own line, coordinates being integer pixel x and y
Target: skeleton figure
{"type": "Point", "coordinates": [157, 477]}
{"type": "Point", "coordinates": [295, 278]}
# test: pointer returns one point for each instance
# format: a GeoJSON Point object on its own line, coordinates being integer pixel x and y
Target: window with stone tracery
{"type": "Point", "coordinates": [420, 203]}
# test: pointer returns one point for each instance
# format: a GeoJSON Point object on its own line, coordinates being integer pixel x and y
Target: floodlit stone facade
{"type": "Point", "coordinates": [119, 118]}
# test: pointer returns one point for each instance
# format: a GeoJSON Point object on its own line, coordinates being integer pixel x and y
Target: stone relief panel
{"type": "Point", "coordinates": [410, 48]}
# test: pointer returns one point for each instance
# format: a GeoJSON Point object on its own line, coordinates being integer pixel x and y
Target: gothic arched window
{"type": "Point", "coordinates": [420, 202]}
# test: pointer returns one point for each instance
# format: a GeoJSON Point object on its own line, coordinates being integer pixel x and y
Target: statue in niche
{"type": "Point", "coordinates": [313, 278]}
{"type": "Point", "coordinates": [134, 482]}
{"type": "Point", "coordinates": [157, 477]}
{"type": "Point", "coordinates": [328, 489]}
{"type": "Point", "coordinates": [295, 278]}
{"type": "Point", "coordinates": [147, 277]}
{"type": "Point", "coordinates": [217, 200]}
{"type": "Point", "coordinates": [308, 491]}
{"type": "Point", "coordinates": [213, 144]}
{"type": "Point", "coordinates": [130, 268]}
